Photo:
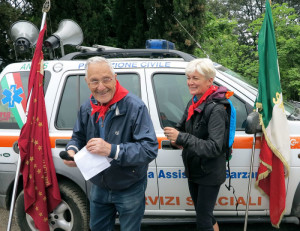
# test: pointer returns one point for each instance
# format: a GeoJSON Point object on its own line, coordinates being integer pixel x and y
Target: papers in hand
{"type": "Point", "coordinates": [90, 164]}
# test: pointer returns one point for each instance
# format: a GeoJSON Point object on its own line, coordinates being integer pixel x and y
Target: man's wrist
{"type": "Point", "coordinates": [114, 153]}
{"type": "Point", "coordinates": [72, 147]}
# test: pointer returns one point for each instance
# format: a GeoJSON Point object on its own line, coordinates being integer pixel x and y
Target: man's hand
{"type": "Point", "coordinates": [98, 146]}
{"type": "Point", "coordinates": [70, 163]}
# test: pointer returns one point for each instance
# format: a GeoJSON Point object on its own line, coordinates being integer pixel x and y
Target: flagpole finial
{"type": "Point", "coordinates": [46, 6]}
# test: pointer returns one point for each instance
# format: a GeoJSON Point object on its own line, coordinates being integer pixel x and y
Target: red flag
{"type": "Point", "coordinates": [41, 191]}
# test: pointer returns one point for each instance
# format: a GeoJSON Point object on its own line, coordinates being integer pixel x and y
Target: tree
{"type": "Point", "coordinates": [129, 18]}
{"type": "Point", "coordinates": [223, 46]}
{"type": "Point", "coordinates": [249, 17]}
{"type": "Point", "coordinates": [245, 12]}
{"type": "Point", "coordinates": [287, 31]}
{"type": "Point", "coordinates": [162, 23]}
{"type": "Point", "coordinates": [8, 15]}
{"type": "Point", "coordinates": [126, 24]}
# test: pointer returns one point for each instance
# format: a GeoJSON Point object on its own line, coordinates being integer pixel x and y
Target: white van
{"type": "Point", "coordinates": [158, 78]}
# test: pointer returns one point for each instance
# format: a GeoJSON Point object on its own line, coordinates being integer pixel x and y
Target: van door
{"type": "Point", "coordinates": [134, 81]}
{"type": "Point", "coordinates": [168, 101]}
{"type": "Point", "coordinates": [168, 96]}
{"type": "Point", "coordinates": [235, 200]}
{"type": "Point", "coordinates": [74, 92]}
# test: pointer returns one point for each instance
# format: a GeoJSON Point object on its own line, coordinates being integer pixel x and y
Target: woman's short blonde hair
{"type": "Point", "coordinates": [203, 66]}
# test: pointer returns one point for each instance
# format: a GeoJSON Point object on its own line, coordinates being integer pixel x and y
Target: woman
{"type": "Point", "coordinates": [201, 135]}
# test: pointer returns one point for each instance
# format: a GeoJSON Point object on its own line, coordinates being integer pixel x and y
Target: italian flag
{"type": "Point", "coordinates": [275, 148]}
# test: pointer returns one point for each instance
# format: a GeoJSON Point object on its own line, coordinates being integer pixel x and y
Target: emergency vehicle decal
{"type": "Point", "coordinates": [221, 201]}
{"type": "Point", "coordinates": [240, 175]}
{"type": "Point", "coordinates": [225, 201]}
{"type": "Point", "coordinates": [166, 200]}
{"type": "Point", "coordinates": [246, 142]}
{"type": "Point", "coordinates": [295, 143]}
{"type": "Point", "coordinates": [7, 141]}
{"type": "Point", "coordinates": [14, 96]}
{"type": "Point", "coordinates": [27, 66]}
{"type": "Point", "coordinates": [116, 65]}
{"type": "Point", "coordinates": [5, 116]}
{"type": "Point", "coordinates": [167, 174]}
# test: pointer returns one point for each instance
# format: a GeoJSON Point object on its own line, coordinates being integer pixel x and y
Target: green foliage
{"type": "Point", "coordinates": [287, 33]}
{"type": "Point", "coordinates": [226, 29]}
{"type": "Point", "coordinates": [222, 45]}
{"type": "Point", "coordinates": [223, 41]}
{"type": "Point", "coordinates": [162, 23]}
{"type": "Point", "coordinates": [129, 18]}
{"type": "Point", "coordinates": [123, 23]}
{"type": "Point", "coordinates": [8, 15]}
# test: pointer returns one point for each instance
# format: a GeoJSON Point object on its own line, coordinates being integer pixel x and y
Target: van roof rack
{"type": "Point", "coordinates": [129, 53]}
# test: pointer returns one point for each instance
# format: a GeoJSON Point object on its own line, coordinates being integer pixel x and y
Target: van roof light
{"type": "Point", "coordinates": [159, 44]}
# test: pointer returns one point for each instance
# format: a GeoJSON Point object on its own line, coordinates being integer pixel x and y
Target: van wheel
{"type": "Point", "coordinates": [71, 214]}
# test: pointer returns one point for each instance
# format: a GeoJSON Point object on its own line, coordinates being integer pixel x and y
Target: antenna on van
{"type": "Point", "coordinates": [191, 36]}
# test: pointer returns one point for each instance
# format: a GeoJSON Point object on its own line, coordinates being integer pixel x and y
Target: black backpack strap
{"type": "Point", "coordinates": [207, 110]}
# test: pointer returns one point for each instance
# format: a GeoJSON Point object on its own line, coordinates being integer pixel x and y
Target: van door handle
{"type": "Point", "coordinates": [61, 143]}
{"type": "Point", "coordinates": [166, 144]}
{"type": "Point", "coordinates": [16, 147]}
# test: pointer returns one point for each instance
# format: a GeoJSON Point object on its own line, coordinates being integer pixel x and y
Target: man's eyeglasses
{"type": "Point", "coordinates": [95, 83]}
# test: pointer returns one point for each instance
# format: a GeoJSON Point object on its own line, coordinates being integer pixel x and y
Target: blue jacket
{"type": "Point", "coordinates": [131, 129]}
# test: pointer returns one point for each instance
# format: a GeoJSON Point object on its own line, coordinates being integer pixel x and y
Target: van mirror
{"type": "Point", "coordinates": [252, 123]}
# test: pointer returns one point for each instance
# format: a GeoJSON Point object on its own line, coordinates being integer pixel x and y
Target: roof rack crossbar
{"type": "Point", "coordinates": [126, 53]}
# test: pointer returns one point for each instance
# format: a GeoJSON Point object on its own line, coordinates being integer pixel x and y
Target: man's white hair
{"type": "Point", "coordinates": [98, 59]}
{"type": "Point", "coordinates": [203, 66]}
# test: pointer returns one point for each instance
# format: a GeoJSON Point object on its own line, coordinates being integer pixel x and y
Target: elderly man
{"type": "Point", "coordinates": [116, 124]}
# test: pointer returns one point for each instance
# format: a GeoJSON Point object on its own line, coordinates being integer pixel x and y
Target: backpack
{"type": "Point", "coordinates": [230, 126]}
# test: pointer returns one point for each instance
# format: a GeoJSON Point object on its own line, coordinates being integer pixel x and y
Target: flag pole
{"type": "Point", "coordinates": [252, 127]}
{"type": "Point", "coordinates": [249, 183]}
{"type": "Point", "coordinates": [46, 8]}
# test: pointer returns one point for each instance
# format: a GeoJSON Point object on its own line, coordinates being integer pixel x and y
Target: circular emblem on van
{"type": "Point", "coordinates": [6, 154]}
{"type": "Point", "coordinates": [57, 67]}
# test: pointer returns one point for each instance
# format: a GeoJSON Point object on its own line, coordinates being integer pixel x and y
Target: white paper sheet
{"type": "Point", "coordinates": [90, 164]}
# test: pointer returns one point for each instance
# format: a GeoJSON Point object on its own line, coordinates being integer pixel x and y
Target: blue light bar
{"type": "Point", "coordinates": [159, 44]}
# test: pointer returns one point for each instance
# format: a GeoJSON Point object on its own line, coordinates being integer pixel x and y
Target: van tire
{"type": "Point", "coordinates": [74, 206]}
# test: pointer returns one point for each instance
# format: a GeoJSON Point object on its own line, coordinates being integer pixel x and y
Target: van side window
{"type": "Point", "coordinates": [241, 113]}
{"type": "Point", "coordinates": [76, 92]}
{"type": "Point", "coordinates": [13, 97]}
{"type": "Point", "coordinates": [172, 96]}
{"type": "Point", "coordinates": [131, 82]}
